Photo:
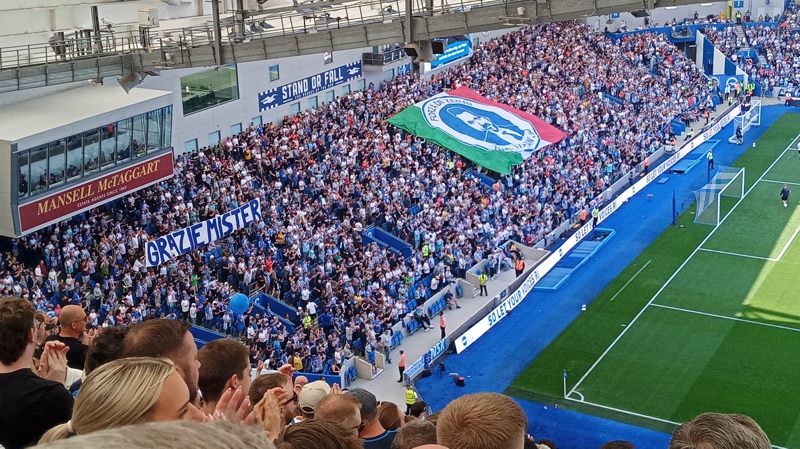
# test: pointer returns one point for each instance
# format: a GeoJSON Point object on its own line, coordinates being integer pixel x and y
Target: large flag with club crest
{"type": "Point", "coordinates": [486, 132]}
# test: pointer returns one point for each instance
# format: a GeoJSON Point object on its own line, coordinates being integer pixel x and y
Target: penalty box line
{"type": "Point", "coordinates": [685, 262]}
{"type": "Point", "coordinates": [785, 247]}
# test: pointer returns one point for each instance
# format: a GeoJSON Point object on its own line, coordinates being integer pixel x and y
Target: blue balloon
{"type": "Point", "coordinates": [239, 303]}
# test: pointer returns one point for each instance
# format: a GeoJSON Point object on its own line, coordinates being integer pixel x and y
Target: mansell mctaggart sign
{"type": "Point", "coordinates": [83, 196]}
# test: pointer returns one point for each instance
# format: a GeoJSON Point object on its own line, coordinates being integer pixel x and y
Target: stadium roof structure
{"type": "Point", "coordinates": [308, 27]}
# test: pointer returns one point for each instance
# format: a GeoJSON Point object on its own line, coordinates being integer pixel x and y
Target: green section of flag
{"type": "Point", "coordinates": [412, 120]}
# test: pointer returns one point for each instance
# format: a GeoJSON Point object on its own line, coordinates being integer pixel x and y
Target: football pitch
{"type": "Point", "coordinates": [707, 318]}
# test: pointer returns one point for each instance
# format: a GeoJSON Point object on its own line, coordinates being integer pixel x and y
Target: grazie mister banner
{"type": "Point", "coordinates": [185, 240]}
{"type": "Point", "coordinates": [80, 197]}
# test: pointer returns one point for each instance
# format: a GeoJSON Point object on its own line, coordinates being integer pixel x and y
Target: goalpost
{"type": "Point", "coordinates": [728, 182]}
{"type": "Point", "coordinates": [743, 121]}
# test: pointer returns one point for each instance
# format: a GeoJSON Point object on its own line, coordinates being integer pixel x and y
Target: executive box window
{"type": "Point", "coordinates": [191, 146]}
{"type": "Point", "coordinates": [213, 138]}
{"type": "Point", "coordinates": [236, 129]}
{"type": "Point", "coordinates": [63, 161]}
{"type": "Point", "coordinates": [313, 102]}
{"type": "Point", "coordinates": [345, 89]}
{"type": "Point", "coordinates": [55, 160]}
{"type": "Point", "coordinates": [256, 121]}
{"type": "Point", "coordinates": [209, 88]}
{"type": "Point", "coordinates": [327, 57]}
{"type": "Point", "coordinates": [295, 108]}
{"type": "Point", "coordinates": [274, 73]}
{"type": "Point", "coordinates": [124, 138]}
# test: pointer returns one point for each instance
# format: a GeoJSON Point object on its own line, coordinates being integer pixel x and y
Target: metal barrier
{"type": "Point", "coordinates": [305, 18]}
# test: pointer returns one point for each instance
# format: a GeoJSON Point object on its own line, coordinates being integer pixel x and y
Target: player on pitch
{"type": "Point", "coordinates": [785, 193]}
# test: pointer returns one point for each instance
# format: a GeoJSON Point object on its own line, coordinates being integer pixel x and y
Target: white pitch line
{"type": "Point", "coordinates": [714, 315]}
{"type": "Point", "coordinates": [613, 343]}
{"type": "Point", "coordinates": [630, 280]}
{"type": "Point", "coordinates": [780, 182]}
{"type": "Point", "coordinates": [627, 412]}
{"type": "Point", "coordinates": [786, 246]}
{"type": "Point", "coordinates": [638, 415]}
{"type": "Point", "coordinates": [738, 254]}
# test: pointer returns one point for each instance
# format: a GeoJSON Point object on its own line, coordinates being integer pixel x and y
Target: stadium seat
{"type": "Point", "coordinates": [396, 339]}
{"type": "Point", "coordinates": [436, 307]}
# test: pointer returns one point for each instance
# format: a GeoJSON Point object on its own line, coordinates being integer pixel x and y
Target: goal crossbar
{"type": "Point", "coordinates": [727, 182]}
{"type": "Point", "coordinates": [747, 119]}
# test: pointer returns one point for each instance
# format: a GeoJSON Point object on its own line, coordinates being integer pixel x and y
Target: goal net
{"type": "Point", "coordinates": [745, 120]}
{"type": "Point", "coordinates": [729, 182]}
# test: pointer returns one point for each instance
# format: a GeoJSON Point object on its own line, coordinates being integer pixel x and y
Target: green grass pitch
{"type": "Point", "coordinates": [709, 322]}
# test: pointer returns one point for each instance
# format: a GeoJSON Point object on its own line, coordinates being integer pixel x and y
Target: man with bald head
{"type": "Point", "coordinates": [299, 383]}
{"type": "Point", "coordinates": [72, 320]}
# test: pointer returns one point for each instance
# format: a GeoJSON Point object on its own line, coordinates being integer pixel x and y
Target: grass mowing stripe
{"type": "Point", "coordinates": [594, 365]}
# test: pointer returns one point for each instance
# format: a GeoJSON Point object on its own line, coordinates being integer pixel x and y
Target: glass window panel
{"type": "Point", "coordinates": [75, 154]}
{"type": "Point", "coordinates": [257, 121]}
{"type": "Point", "coordinates": [389, 74]}
{"type": "Point", "coordinates": [56, 160]}
{"type": "Point", "coordinates": [236, 129]}
{"type": "Point", "coordinates": [92, 140]}
{"type": "Point", "coordinates": [213, 138]}
{"type": "Point", "coordinates": [154, 130]}
{"type": "Point", "coordinates": [362, 84]}
{"type": "Point", "coordinates": [327, 57]}
{"type": "Point", "coordinates": [274, 73]}
{"type": "Point", "coordinates": [24, 173]}
{"type": "Point", "coordinates": [124, 137]}
{"type": "Point", "coordinates": [295, 108]}
{"type": "Point", "coordinates": [208, 88]}
{"type": "Point", "coordinates": [38, 165]}
{"type": "Point", "coordinates": [167, 127]}
{"type": "Point", "coordinates": [139, 135]}
{"type": "Point", "coordinates": [345, 89]}
{"type": "Point", "coordinates": [313, 102]}
{"type": "Point", "coordinates": [108, 145]}
{"type": "Point", "coordinates": [330, 96]}
{"type": "Point", "coordinates": [191, 146]}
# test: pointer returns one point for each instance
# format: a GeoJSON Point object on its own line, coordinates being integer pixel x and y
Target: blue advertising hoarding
{"type": "Point", "coordinates": [308, 86]}
{"type": "Point", "coordinates": [457, 47]}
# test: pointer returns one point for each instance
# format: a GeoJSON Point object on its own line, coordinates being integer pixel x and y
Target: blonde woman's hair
{"type": "Point", "coordinates": [170, 435]}
{"type": "Point", "coordinates": [118, 393]}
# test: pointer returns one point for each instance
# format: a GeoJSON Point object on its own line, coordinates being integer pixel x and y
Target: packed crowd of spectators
{"type": "Point", "coordinates": [777, 47]}
{"type": "Point", "coordinates": [324, 176]}
{"type": "Point", "coordinates": [147, 386]}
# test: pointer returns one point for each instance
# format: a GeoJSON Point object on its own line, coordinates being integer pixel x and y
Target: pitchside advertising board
{"type": "Point", "coordinates": [86, 195]}
{"type": "Point", "coordinates": [425, 361]}
{"type": "Point", "coordinates": [500, 312]}
{"type": "Point", "coordinates": [308, 86]}
{"type": "Point", "coordinates": [186, 240]}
